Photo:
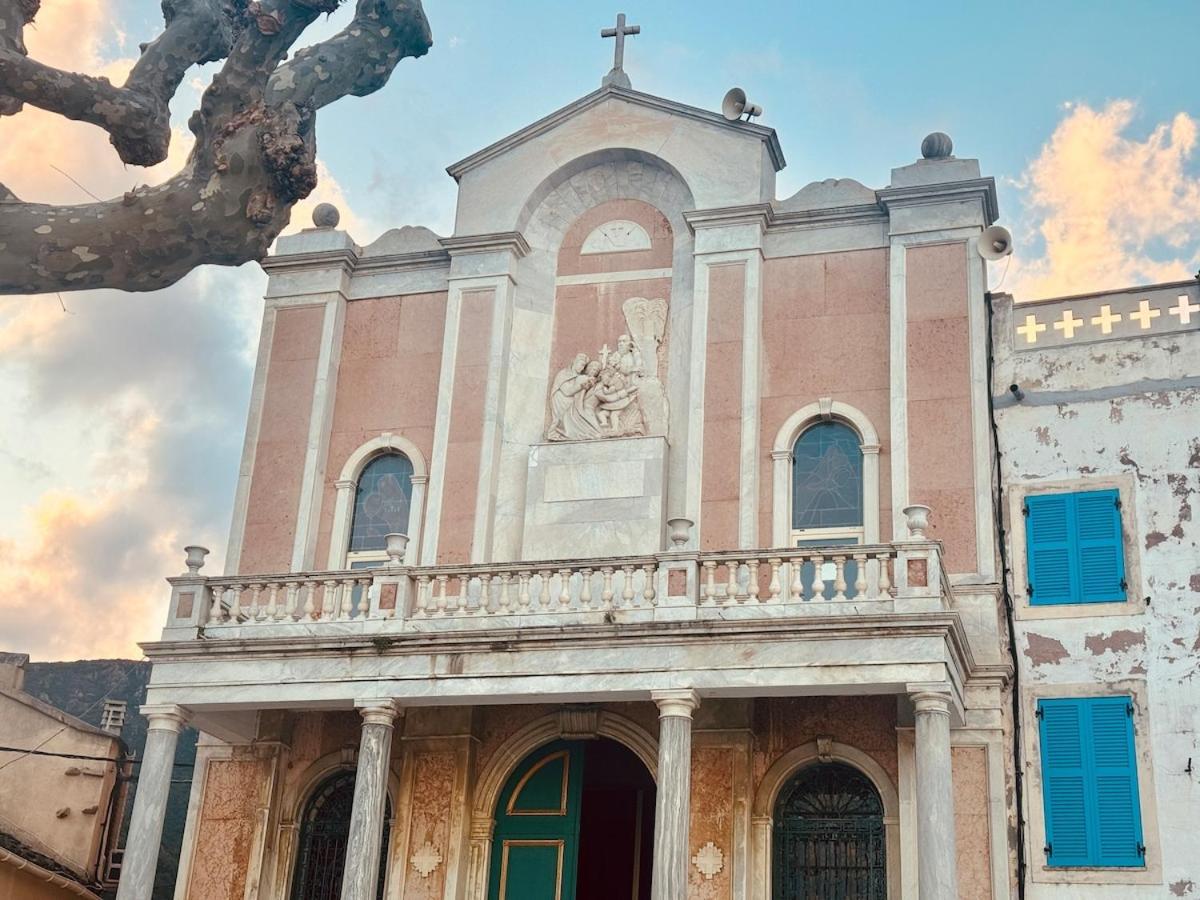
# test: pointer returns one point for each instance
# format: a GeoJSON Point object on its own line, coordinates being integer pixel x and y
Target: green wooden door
{"type": "Point", "coordinates": [536, 847]}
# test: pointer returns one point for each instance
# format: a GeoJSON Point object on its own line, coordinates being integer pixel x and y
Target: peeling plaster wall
{"type": "Point", "coordinates": [1109, 410]}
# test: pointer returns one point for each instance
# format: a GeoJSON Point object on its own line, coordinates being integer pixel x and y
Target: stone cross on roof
{"type": "Point", "coordinates": [617, 74]}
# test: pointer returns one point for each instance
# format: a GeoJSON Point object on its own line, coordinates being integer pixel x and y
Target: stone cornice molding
{"type": "Point", "coordinates": [461, 245]}
{"type": "Point", "coordinates": [981, 189]}
{"type": "Point", "coordinates": [761, 214]}
{"type": "Point", "coordinates": [420, 259]}
{"type": "Point", "coordinates": [801, 219]}
{"type": "Point", "coordinates": [546, 123]}
{"type": "Point", "coordinates": [343, 258]}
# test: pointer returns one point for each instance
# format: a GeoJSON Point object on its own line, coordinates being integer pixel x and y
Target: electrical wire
{"type": "Point", "coordinates": [83, 756]}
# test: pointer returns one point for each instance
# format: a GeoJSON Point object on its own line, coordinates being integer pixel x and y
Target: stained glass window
{"type": "Point", "coordinates": [382, 502]}
{"type": "Point", "coordinates": [827, 478]}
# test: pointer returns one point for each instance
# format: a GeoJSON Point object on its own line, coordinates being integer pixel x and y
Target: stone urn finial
{"type": "Point", "coordinates": [397, 546]}
{"type": "Point", "coordinates": [917, 515]}
{"type": "Point", "coordinates": [681, 531]}
{"type": "Point", "coordinates": [195, 558]}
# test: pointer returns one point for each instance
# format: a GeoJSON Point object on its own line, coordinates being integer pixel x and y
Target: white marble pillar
{"type": "Point", "coordinates": [361, 875]}
{"type": "Point", "coordinates": [150, 803]}
{"type": "Point", "coordinates": [672, 802]}
{"type": "Point", "coordinates": [937, 866]}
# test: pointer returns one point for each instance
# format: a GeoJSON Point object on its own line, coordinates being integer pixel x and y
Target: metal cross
{"type": "Point", "coordinates": [619, 33]}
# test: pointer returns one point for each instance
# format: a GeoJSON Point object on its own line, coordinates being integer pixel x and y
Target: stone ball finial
{"type": "Point", "coordinates": [326, 215]}
{"type": "Point", "coordinates": [937, 145]}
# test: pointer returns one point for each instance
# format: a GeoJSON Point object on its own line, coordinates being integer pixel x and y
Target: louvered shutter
{"type": "Point", "coordinates": [1089, 782]}
{"type": "Point", "coordinates": [1101, 555]}
{"type": "Point", "coordinates": [1064, 782]}
{"type": "Point", "coordinates": [1114, 764]}
{"type": "Point", "coordinates": [1050, 549]}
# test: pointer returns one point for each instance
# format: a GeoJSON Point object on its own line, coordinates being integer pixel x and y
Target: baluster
{"type": "Point", "coordinates": [649, 594]}
{"type": "Point", "coordinates": [255, 610]}
{"type": "Point", "coordinates": [272, 607]}
{"type": "Point", "coordinates": [885, 581]}
{"type": "Point", "coordinates": [362, 606]}
{"type": "Point", "coordinates": [216, 612]}
{"type": "Point", "coordinates": [544, 589]}
{"type": "Point", "coordinates": [439, 600]}
{"type": "Point", "coordinates": [422, 605]}
{"type": "Point", "coordinates": [860, 576]}
{"type": "Point", "coordinates": [329, 591]}
{"type": "Point", "coordinates": [585, 589]}
{"type": "Point", "coordinates": [564, 590]}
{"type": "Point", "coordinates": [731, 586]}
{"type": "Point", "coordinates": [235, 605]}
{"type": "Point", "coordinates": [839, 578]}
{"type": "Point", "coordinates": [775, 588]}
{"type": "Point", "coordinates": [456, 602]}
{"type": "Point", "coordinates": [606, 596]}
{"type": "Point", "coordinates": [795, 585]}
{"type": "Point", "coordinates": [348, 602]}
{"type": "Point", "coordinates": [710, 586]}
{"type": "Point", "coordinates": [752, 586]}
{"type": "Point", "coordinates": [818, 586]}
{"type": "Point", "coordinates": [289, 601]}
{"type": "Point", "coordinates": [505, 600]}
{"type": "Point", "coordinates": [523, 598]}
{"type": "Point", "coordinates": [627, 587]}
{"type": "Point", "coordinates": [485, 594]}
{"type": "Point", "coordinates": [310, 609]}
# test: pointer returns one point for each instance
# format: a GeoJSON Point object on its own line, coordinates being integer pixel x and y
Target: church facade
{"type": "Point", "coordinates": [640, 539]}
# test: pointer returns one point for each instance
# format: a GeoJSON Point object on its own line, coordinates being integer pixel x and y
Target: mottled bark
{"type": "Point", "coordinates": [255, 150]}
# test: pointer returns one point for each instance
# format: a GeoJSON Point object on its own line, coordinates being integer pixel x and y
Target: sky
{"type": "Point", "coordinates": [122, 415]}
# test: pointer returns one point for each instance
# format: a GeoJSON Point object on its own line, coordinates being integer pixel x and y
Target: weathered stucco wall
{"type": "Point", "coordinates": [1120, 413]}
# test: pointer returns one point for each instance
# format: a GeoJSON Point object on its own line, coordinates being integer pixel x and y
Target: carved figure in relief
{"type": "Point", "coordinates": [618, 394]}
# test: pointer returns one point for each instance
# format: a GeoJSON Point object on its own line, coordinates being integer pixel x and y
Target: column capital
{"type": "Point", "coordinates": [164, 716]}
{"type": "Point", "coordinates": [679, 702]}
{"type": "Point", "coordinates": [379, 711]}
{"type": "Point", "coordinates": [932, 702]}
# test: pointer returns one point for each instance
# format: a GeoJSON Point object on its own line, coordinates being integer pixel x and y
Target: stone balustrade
{"type": "Point", "coordinates": [676, 585]}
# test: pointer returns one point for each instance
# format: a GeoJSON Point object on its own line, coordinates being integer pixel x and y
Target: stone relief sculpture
{"type": "Point", "coordinates": [618, 394]}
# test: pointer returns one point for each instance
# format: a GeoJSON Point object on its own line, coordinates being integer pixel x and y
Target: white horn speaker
{"type": "Point", "coordinates": [735, 105]}
{"type": "Point", "coordinates": [995, 243]}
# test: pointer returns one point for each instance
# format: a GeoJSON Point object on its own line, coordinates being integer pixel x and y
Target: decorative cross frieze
{"type": "Point", "coordinates": [1183, 309]}
{"type": "Point", "coordinates": [709, 860]}
{"type": "Point", "coordinates": [1031, 329]}
{"type": "Point", "coordinates": [426, 859]}
{"type": "Point", "coordinates": [1144, 314]}
{"type": "Point", "coordinates": [1106, 320]}
{"type": "Point", "coordinates": [1116, 316]}
{"type": "Point", "coordinates": [1068, 323]}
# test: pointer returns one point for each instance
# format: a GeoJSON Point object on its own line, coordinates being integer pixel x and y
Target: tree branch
{"type": "Point", "coordinates": [14, 16]}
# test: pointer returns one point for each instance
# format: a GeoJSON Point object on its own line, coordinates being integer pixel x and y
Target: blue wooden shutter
{"type": "Point", "coordinates": [1101, 555]}
{"type": "Point", "coordinates": [1049, 549]}
{"type": "Point", "coordinates": [1064, 781]}
{"type": "Point", "coordinates": [1114, 766]}
{"type": "Point", "coordinates": [1089, 782]}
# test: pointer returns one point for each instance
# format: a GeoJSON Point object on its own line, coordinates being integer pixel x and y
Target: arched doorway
{"type": "Point", "coordinates": [324, 833]}
{"type": "Point", "coordinates": [828, 841]}
{"type": "Point", "coordinates": [575, 821]}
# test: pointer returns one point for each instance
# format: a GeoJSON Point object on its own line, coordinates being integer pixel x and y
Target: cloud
{"type": "Point", "coordinates": [1108, 210]}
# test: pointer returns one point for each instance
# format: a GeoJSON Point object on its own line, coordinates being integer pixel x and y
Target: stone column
{"type": "Point", "coordinates": [361, 875]}
{"type": "Point", "coordinates": [937, 866]}
{"type": "Point", "coordinates": [150, 804]}
{"type": "Point", "coordinates": [672, 802]}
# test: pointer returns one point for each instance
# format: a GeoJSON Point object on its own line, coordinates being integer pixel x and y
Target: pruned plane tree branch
{"type": "Point", "coordinates": [255, 151]}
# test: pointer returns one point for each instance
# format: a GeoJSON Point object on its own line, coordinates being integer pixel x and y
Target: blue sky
{"type": "Point", "coordinates": [121, 416]}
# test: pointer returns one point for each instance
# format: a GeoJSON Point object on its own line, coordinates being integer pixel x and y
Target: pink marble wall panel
{"type": "Point", "coordinates": [825, 334]}
{"type": "Point", "coordinates": [721, 471]}
{"type": "Point", "coordinates": [940, 454]}
{"type": "Point", "coordinates": [432, 796]}
{"type": "Point", "coordinates": [866, 723]}
{"type": "Point", "coordinates": [387, 382]}
{"type": "Point", "coordinates": [572, 262]}
{"type": "Point", "coordinates": [972, 831]}
{"type": "Point", "coordinates": [461, 473]}
{"type": "Point", "coordinates": [227, 815]}
{"type": "Point", "coordinates": [712, 814]}
{"type": "Point", "coordinates": [282, 438]}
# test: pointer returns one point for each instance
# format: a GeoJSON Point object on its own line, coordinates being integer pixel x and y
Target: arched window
{"type": "Point", "coordinates": [382, 505]}
{"type": "Point", "coordinates": [828, 838]}
{"type": "Point", "coordinates": [324, 833]}
{"type": "Point", "coordinates": [827, 486]}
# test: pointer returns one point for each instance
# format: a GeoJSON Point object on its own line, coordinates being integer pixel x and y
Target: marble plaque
{"type": "Point", "coordinates": [595, 498]}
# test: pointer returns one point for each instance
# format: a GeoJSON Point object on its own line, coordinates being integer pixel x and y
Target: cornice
{"type": "Point", "coordinates": [513, 241]}
{"type": "Point", "coordinates": [761, 214]}
{"type": "Point", "coordinates": [344, 259]}
{"type": "Point", "coordinates": [541, 126]}
{"type": "Point", "coordinates": [983, 189]}
{"type": "Point", "coordinates": [421, 259]}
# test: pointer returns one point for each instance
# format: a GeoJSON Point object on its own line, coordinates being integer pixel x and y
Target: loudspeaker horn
{"type": "Point", "coordinates": [995, 243]}
{"type": "Point", "coordinates": [735, 105]}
